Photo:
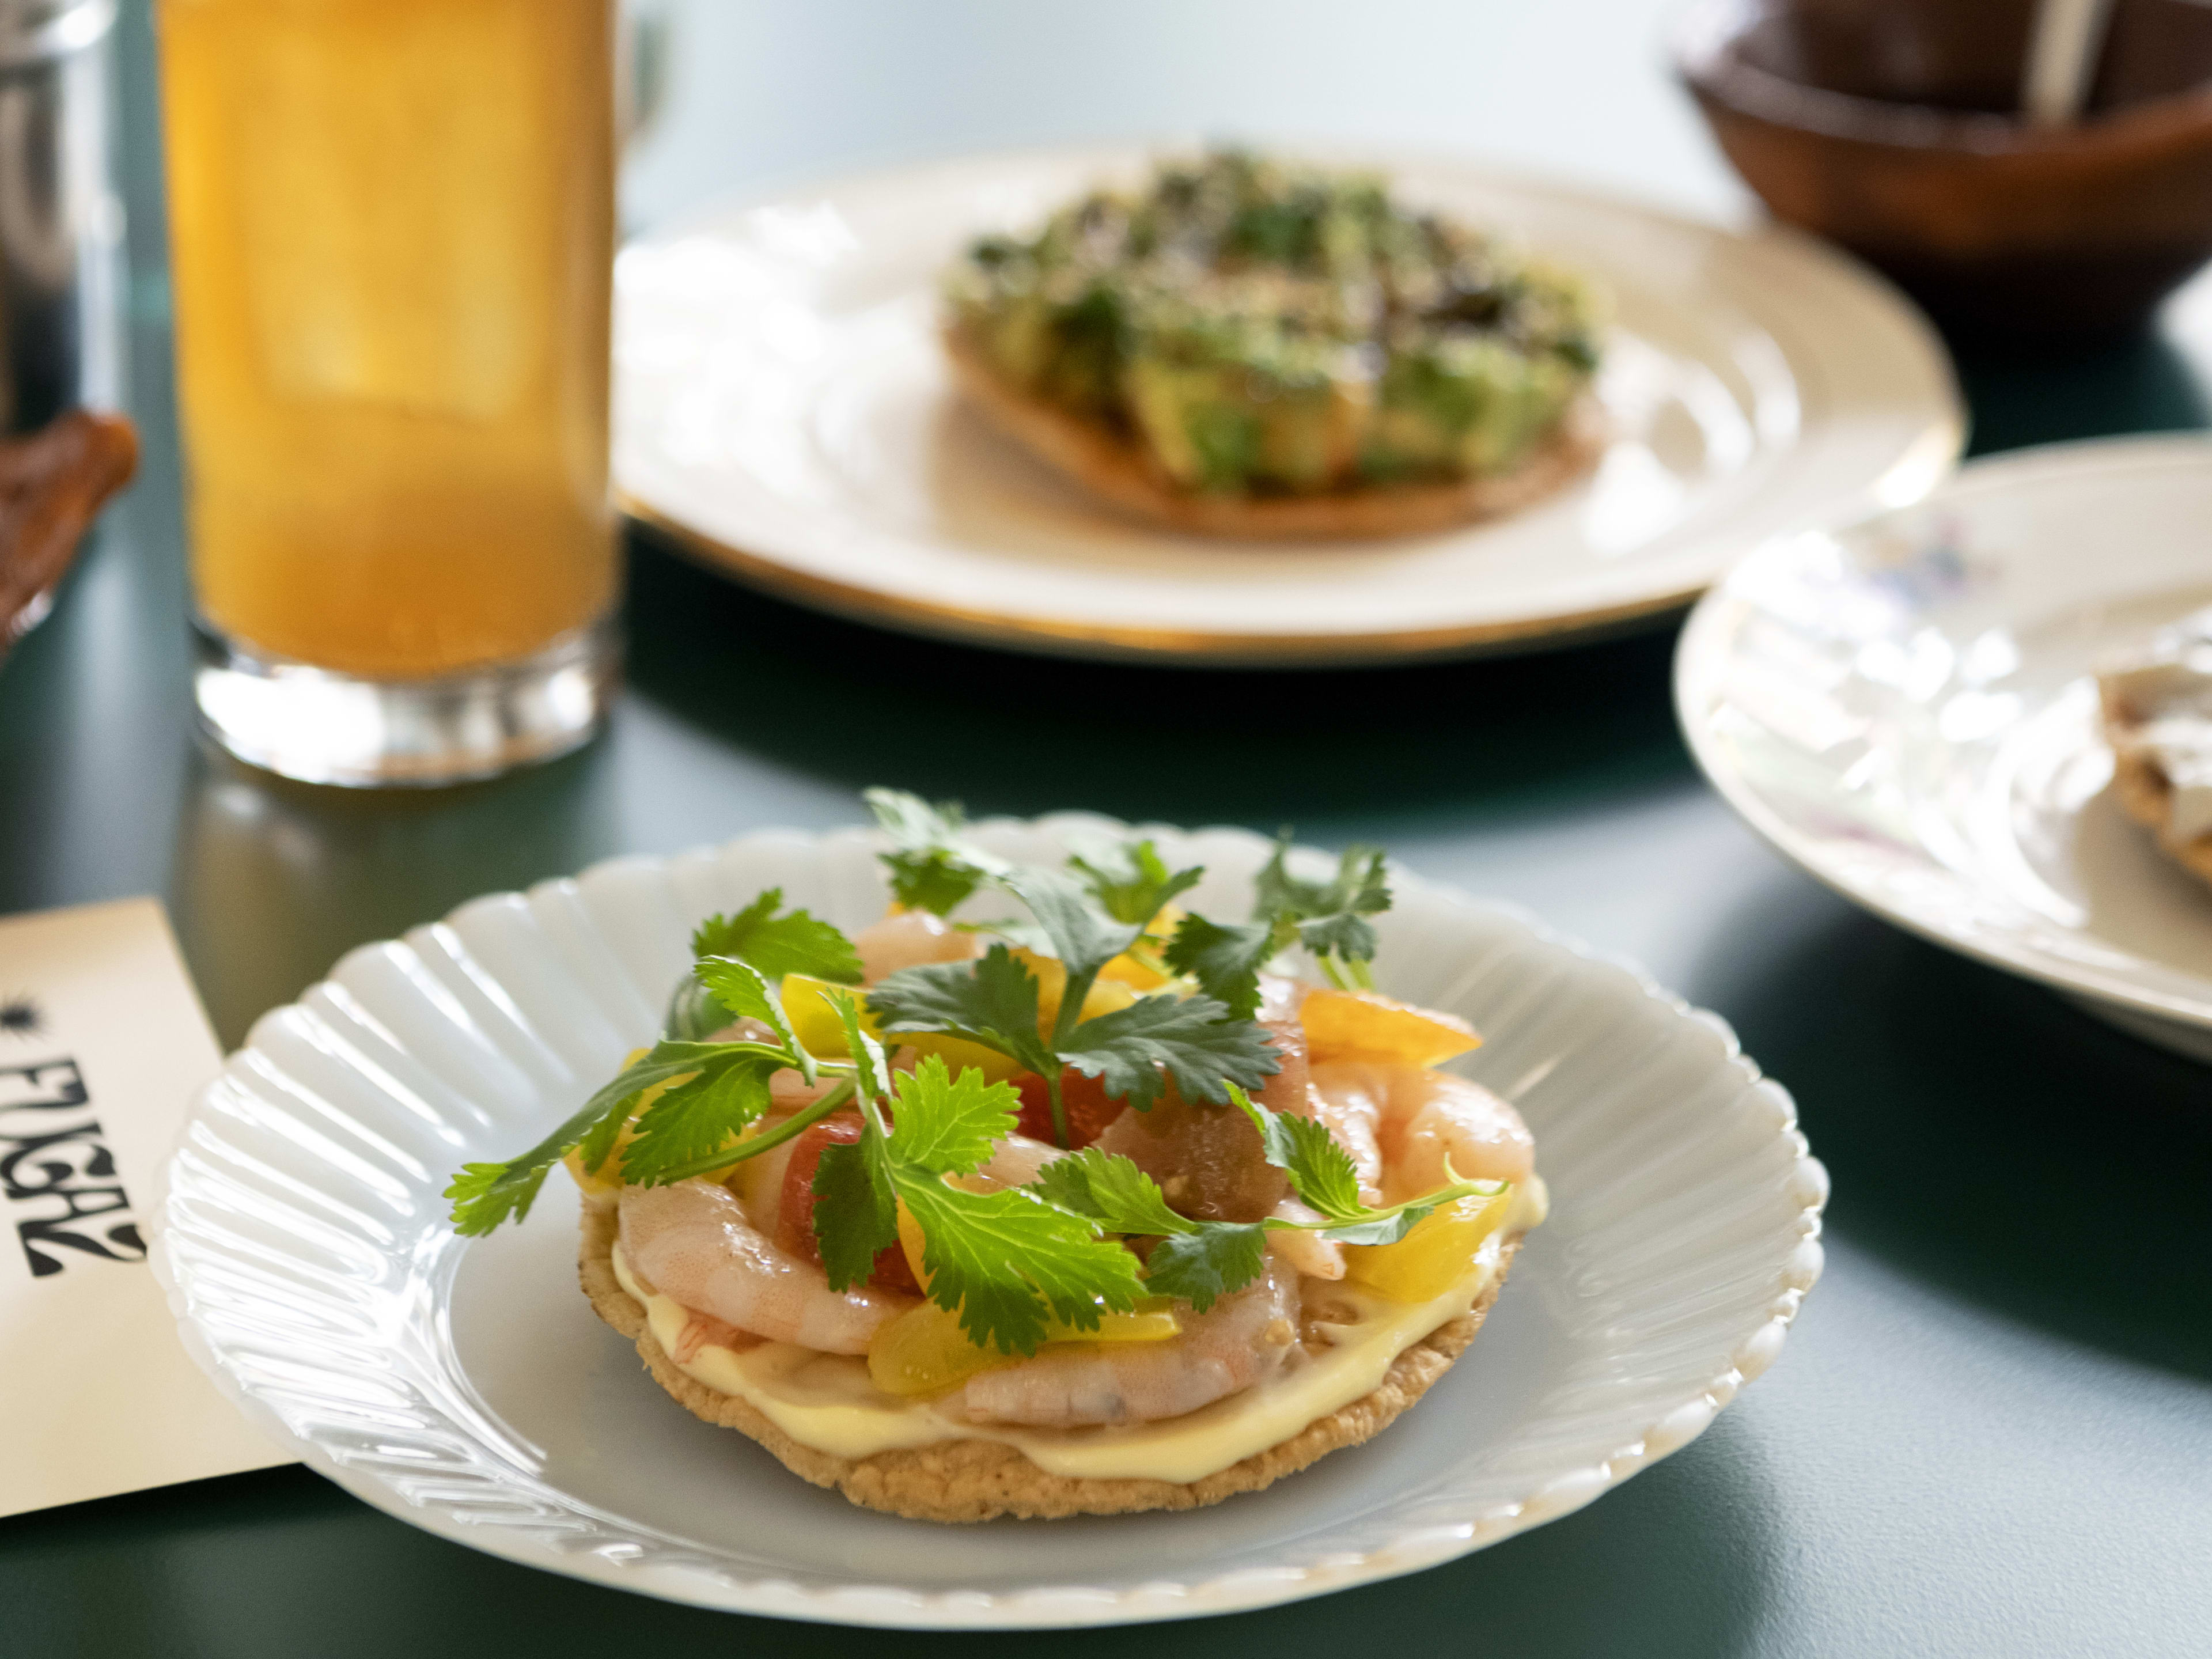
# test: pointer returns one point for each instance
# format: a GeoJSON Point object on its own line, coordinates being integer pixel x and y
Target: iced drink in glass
{"type": "Point", "coordinates": [392, 236]}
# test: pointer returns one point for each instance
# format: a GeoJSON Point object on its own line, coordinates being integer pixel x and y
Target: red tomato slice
{"type": "Point", "coordinates": [794, 1221]}
{"type": "Point", "coordinates": [1084, 1099]}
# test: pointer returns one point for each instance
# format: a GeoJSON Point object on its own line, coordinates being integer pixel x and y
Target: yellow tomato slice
{"type": "Point", "coordinates": [815, 1023]}
{"type": "Point", "coordinates": [910, 1243]}
{"type": "Point", "coordinates": [1139, 974]}
{"type": "Point", "coordinates": [1104, 996]}
{"type": "Point", "coordinates": [924, 1350]}
{"type": "Point", "coordinates": [1433, 1257]}
{"type": "Point", "coordinates": [1140, 1325]}
{"type": "Point", "coordinates": [1368, 1025]}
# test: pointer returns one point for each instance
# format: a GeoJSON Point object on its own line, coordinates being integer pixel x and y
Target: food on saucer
{"type": "Point", "coordinates": [2158, 719]}
{"type": "Point", "coordinates": [1250, 347]}
{"type": "Point", "coordinates": [1083, 1206]}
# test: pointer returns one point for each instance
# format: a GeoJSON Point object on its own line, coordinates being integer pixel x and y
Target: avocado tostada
{"type": "Point", "coordinates": [1247, 346]}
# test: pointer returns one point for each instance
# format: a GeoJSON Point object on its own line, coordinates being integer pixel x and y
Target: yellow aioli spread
{"type": "Point", "coordinates": [826, 1400]}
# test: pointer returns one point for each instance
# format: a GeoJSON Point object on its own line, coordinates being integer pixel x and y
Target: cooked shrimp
{"type": "Point", "coordinates": [693, 1242]}
{"type": "Point", "coordinates": [759, 1182]}
{"type": "Point", "coordinates": [1014, 1161]}
{"type": "Point", "coordinates": [1306, 1253]}
{"type": "Point", "coordinates": [908, 939]}
{"type": "Point", "coordinates": [704, 1331]}
{"type": "Point", "coordinates": [1240, 1341]}
{"type": "Point", "coordinates": [1417, 1118]}
{"type": "Point", "coordinates": [788, 1091]}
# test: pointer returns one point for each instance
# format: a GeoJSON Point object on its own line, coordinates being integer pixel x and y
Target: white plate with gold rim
{"type": "Point", "coordinates": [467, 1387]}
{"type": "Point", "coordinates": [782, 410]}
{"type": "Point", "coordinates": [1907, 708]}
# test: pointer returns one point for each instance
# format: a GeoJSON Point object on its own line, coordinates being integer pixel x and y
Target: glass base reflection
{"type": "Point", "coordinates": [321, 726]}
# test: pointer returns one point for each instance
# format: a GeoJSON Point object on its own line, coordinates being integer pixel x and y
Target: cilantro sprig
{"type": "Point", "coordinates": [1200, 1261]}
{"type": "Point", "coordinates": [710, 1092]}
{"type": "Point", "coordinates": [931, 864]}
{"type": "Point", "coordinates": [1328, 918]}
{"type": "Point", "coordinates": [1002, 1260]}
{"type": "Point", "coordinates": [1009, 1260]}
{"type": "Point", "coordinates": [1129, 880]}
{"type": "Point", "coordinates": [774, 942]}
{"type": "Point", "coordinates": [1197, 1042]}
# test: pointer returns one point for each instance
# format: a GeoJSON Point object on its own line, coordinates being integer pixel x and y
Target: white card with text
{"type": "Point", "coordinates": [102, 1046]}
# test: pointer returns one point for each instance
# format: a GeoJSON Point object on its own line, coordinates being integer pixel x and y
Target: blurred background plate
{"type": "Point", "coordinates": [782, 411]}
{"type": "Point", "coordinates": [1907, 708]}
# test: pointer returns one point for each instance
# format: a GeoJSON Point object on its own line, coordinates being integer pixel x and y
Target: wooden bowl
{"type": "Point", "coordinates": [1887, 125]}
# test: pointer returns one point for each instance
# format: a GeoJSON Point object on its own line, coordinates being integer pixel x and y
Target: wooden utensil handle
{"type": "Point", "coordinates": [52, 484]}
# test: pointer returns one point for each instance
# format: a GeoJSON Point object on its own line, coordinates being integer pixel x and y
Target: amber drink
{"type": "Point", "coordinates": [391, 237]}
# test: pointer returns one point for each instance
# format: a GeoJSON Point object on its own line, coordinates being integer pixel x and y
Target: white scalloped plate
{"type": "Point", "coordinates": [1907, 708]}
{"type": "Point", "coordinates": [468, 1389]}
{"type": "Point", "coordinates": [782, 408]}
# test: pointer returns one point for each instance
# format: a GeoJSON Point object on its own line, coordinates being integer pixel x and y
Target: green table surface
{"type": "Point", "coordinates": [1992, 1432]}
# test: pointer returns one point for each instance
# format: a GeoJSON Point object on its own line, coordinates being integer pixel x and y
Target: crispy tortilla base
{"type": "Point", "coordinates": [982, 1479]}
{"type": "Point", "coordinates": [1121, 475]}
{"type": "Point", "coordinates": [2146, 793]}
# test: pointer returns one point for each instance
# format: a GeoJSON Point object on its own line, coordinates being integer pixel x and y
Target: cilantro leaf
{"type": "Point", "coordinates": [1225, 958]}
{"type": "Point", "coordinates": [793, 943]}
{"type": "Point", "coordinates": [993, 1002]}
{"type": "Point", "coordinates": [1112, 1190]}
{"type": "Point", "coordinates": [700, 1117]}
{"type": "Point", "coordinates": [1344, 935]}
{"type": "Point", "coordinates": [745, 992]}
{"type": "Point", "coordinates": [855, 1206]}
{"type": "Point", "coordinates": [1129, 880]}
{"type": "Point", "coordinates": [855, 1213]}
{"type": "Point", "coordinates": [1328, 918]}
{"type": "Point", "coordinates": [1212, 1261]}
{"type": "Point", "coordinates": [1197, 1260]}
{"type": "Point", "coordinates": [931, 867]}
{"type": "Point", "coordinates": [1195, 1041]}
{"type": "Point", "coordinates": [1085, 938]}
{"type": "Point", "coordinates": [485, 1194]}
{"type": "Point", "coordinates": [870, 1071]}
{"type": "Point", "coordinates": [1000, 1259]}
{"type": "Point", "coordinates": [948, 1124]}
{"type": "Point", "coordinates": [600, 1140]}
{"type": "Point", "coordinates": [1322, 1175]}
{"type": "Point", "coordinates": [1318, 1166]}
{"type": "Point", "coordinates": [1383, 1226]}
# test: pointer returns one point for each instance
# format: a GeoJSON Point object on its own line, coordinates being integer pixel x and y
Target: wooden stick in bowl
{"type": "Point", "coordinates": [2063, 52]}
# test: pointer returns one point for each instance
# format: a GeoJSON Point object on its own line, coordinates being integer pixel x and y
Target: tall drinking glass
{"type": "Point", "coordinates": [391, 228]}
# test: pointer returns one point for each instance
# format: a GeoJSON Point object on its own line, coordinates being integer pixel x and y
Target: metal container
{"type": "Point", "coordinates": [60, 223]}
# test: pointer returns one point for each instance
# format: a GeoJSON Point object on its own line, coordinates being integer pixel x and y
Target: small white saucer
{"type": "Point", "coordinates": [1907, 708]}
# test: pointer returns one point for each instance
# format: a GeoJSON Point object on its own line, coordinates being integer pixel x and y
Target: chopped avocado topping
{"type": "Point", "coordinates": [1255, 327]}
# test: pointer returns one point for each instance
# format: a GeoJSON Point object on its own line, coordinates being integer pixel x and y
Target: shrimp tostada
{"type": "Point", "coordinates": [1089, 1209]}
{"type": "Point", "coordinates": [1247, 348]}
